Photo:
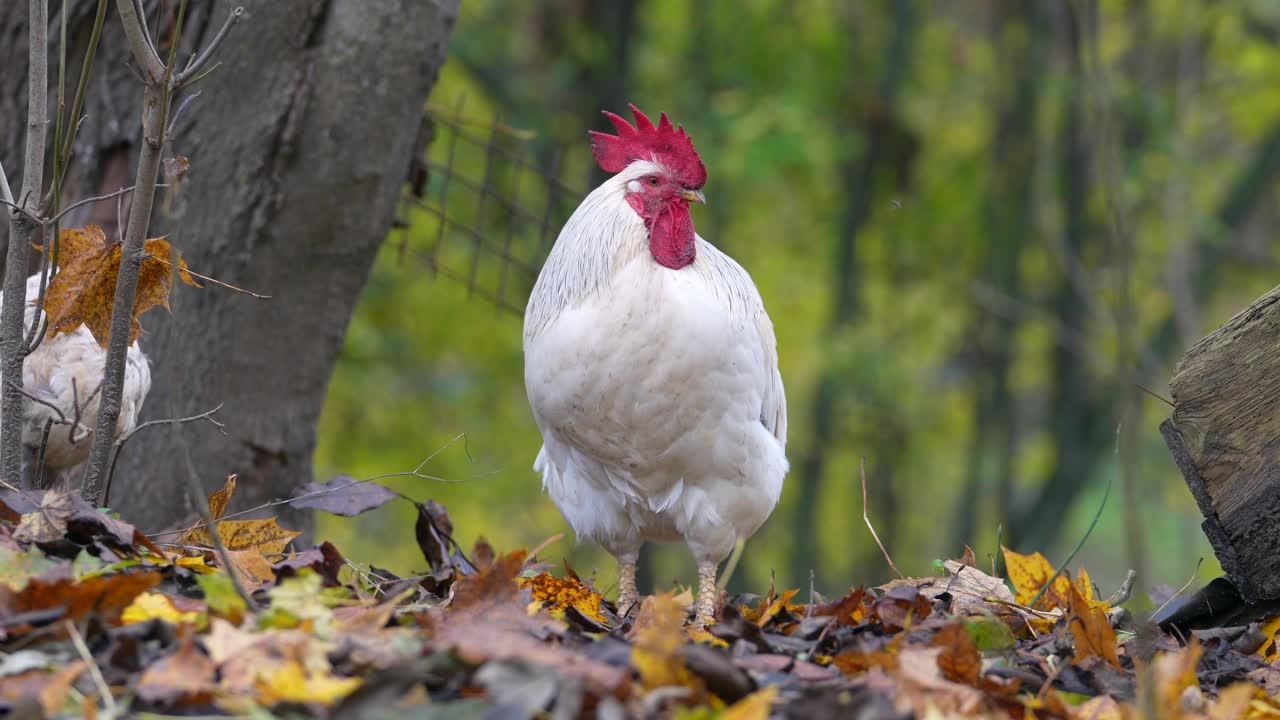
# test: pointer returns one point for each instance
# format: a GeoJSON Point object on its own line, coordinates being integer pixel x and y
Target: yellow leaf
{"type": "Point", "coordinates": [1092, 631]}
{"type": "Point", "coordinates": [1269, 651]}
{"type": "Point", "coordinates": [264, 535]}
{"type": "Point", "coordinates": [559, 594]}
{"type": "Point", "coordinates": [656, 639]}
{"type": "Point", "coordinates": [196, 563]}
{"type": "Point", "coordinates": [288, 682]}
{"type": "Point", "coordinates": [83, 291]}
{"type": "Point", "coordinates": [156, 606]}
{"type": "Point", "coordinates": [219, 499]}
{"type": "Point", "coordinates": [755, 706]}
{"type": "Point", "coordinates": [1029, 573]}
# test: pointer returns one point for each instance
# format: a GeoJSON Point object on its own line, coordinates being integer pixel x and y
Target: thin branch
{"type": "Point", "coordinates": [862, 464]}
{"type": "Point", "coordinates": [62, 419]}
{"type": "Point", "coordinates": [416, 472]}
{"type": "Point", "coordinates": [115, 455]}
{"type": "Point", "coordinates": [1195, 573]}
{"type": "Point", "coordinates": [168, 133]}
{"type": "Point", "coordinates": [82, 88]}
{"type": "Point", "coordinates": [99, 682]}
{"type": "Point", "coordinates": [96, 198]}
{"type": "Point", "coordinates": [1161, 398]}
{"type": "Point", "coordinates": [143, 52]}
{"type": "Point", "coordinates": [198, 61]}
{"type": "Point", "coordinates": [215, 281]}
{"type": "Point", "coordinates": [6, 194]}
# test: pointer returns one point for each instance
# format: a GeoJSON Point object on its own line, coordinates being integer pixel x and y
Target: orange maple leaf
{"type": "Point", "coordinates": [84, 289]}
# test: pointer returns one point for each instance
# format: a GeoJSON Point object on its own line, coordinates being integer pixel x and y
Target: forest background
{"type": "Point", "coordinates": [981, 228]}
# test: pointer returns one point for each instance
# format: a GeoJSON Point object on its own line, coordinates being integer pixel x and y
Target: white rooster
{"type": "Point", "coordinates": [651, 368]}
{"type": "Point", "coordinates": [65, 370]}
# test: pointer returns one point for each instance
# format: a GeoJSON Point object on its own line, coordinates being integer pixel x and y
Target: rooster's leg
{"type": "Point", "coordinates": [627, 596]}
{"type": "Point", "coordinates": [705, 608]}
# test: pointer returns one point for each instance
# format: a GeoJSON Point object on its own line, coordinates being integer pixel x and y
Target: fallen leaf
{"type": "Point", "coordinates": [769, 608]}
{"type": "Point", "coordinates": [656, 639]}
{"type": "Point", "coordinates": [291, 683]}
{"type": "Point", "coordinates": [755, 706]}
{"type": "Point", "coordinates": [220, 498]}
{"type": "Point", "coordinates": [1030, 573]}
{"type": "Point", "coordinates": [221, 596]}
{"type": "Point", "coordinates": [83, 290]}
{"type": "Point", "coordinates": [853, 609]}
{"type": "Point", "coordinates": [560, 594]}
{"type": "Point", "coordinates": [959, 660]}
{"type": "Point", "coordinates": [264, 535]}
{"type": "Point", "coordinates": [252, 568]}
{"type": "Point", "coordinates": [105, 595]}
{"type": "Point", "coordinates": [969, 589]}
{"type": "Point", "coordinates": [64, 517]}
{"type": "Point", "coordinates": [184, 678]}
{"type": "Point", "coordinates": [18, 567]}
{"type": "Point", "coordinates": [1091, 630]}
{"type": "Point", "coordinates": [901, 607]}
{"type": "Point", "coordinates": [856, 661]}
{"type": "Point", "coordinates": [495, 585]}
{"type": "Point", "coordinates": [156, 606]}
{"type": "Point", "coordinates": [343, 495]}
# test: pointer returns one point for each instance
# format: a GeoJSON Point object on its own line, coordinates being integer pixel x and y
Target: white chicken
{"type": "Point", "coordinates": [65, 370]}
{"type": "Point", "coordinates": [651, 368]}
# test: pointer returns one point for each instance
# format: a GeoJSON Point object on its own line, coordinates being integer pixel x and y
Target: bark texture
{"type": "Point", "coordinates": [299, 146]}
{"type": "Point", "coordinates": [1225, 436]}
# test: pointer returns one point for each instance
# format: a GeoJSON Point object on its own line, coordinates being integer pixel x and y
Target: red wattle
{"type": "Point", "coordinates": [671, 237]}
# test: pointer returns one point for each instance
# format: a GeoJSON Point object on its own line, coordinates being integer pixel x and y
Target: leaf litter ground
{"type": "Point", "coordinates": [98, 620]}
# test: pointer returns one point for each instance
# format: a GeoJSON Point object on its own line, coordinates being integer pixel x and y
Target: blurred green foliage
{"type": "Point", "coordinates": [953, 211]}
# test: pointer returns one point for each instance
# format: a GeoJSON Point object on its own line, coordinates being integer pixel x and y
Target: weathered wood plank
{"type": "Point", "coordinates": [1225, 437]}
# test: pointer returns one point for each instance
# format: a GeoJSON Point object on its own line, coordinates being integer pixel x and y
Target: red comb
{"type": "Point", "coordinates": [666, 144]}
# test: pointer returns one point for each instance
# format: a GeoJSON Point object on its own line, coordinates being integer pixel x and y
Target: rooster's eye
{"type": "Point", "coordinates": [653, 179]}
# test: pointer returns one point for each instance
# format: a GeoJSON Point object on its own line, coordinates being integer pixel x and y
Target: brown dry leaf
{"type": "Point", "coordinates": [263, 535]}
{"type": "Point", "coordinates": [493, 586]}
{"type": "Point", "coordinates": [959, 660]}
{"type": "Point", "coordinates": [1031, 572]}
{"type": "Point", "coordinates": [1232, 702]}
{"type": "Point", "coordinates": [56, 693]}
{"type": "Point", "coordinates": [184, 678]}
{"type": "Point", "coordinates": [901, 607]}
{"type": "Point", "coordinates": [252, 568]}
{"type": "Point", "coordinates": [83, 291]}
{"type": "Point", "coordinates": [219, 499]}
{"type": "Point", "coordinates": [656, 640]}
{"type": "Point", "coordinates": [852, 609]}
{"type": "Point", "coordinates": [928, 692]}
{"type": "Point", "coordinates": [755, 706]}
{"type": "Point", "coordinates": [1102, 707]}
{"type": "Point", "coordinates": [1091, 630]}
{"type": "Point", "coordinates": [855, 661]}
{"type": "Point", "coordinates": [969, 588]}
{"type": "Point", "coordinates": [1173, 673]}
{"type": "Point", "coordinates": [105, 595]}
{"type": "Point", "coordinates": [769, 608]}
{"type": "Point", "coordinates": [560, 594]}
{"type": "Point", "coordinates": [1270, 650]}
{"type": "Point", "coordinates": [66, 516]}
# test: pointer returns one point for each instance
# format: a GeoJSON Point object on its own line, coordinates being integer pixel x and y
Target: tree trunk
{"type": "Point", "coordinates": [299, 145]}
{"type": "Point", "coordinates": [1225, 436]}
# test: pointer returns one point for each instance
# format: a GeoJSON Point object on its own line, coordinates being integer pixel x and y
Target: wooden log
{"type": "Point", "coordinates": [1224, 435]}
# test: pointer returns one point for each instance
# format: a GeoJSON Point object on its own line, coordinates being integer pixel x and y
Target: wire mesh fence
{"type": "Point", "coordinates": [485, 208]}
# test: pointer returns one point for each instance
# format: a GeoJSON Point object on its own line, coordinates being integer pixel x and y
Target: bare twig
{"type": "Point", "coordinates": [6, 193]}
{"type": "Point", "coordinates": [94, 199]}
{"type": "Point", "coordinates": [1194, 574]}
{"type": "Point", "coordinates": [862, 466]}
{"type": "Point", "coordinates": [198, 61]}
{"type": "Point", "coordinates": [1125, 591]}
{"type": "Point", "coordinates": [732, 565]}
{"type": "Point", "coordinates": [62, 419]}
{"type": "Point", "coordinates": [1161, 398]}
{"type": "Point", "coordinates": [143, 52]}
{"type": "Point", "coordinates": [83, 87]}
{"type": "Point", "coordinates": [177, 114]}
{"type": "Point", "coordinates": [99, 682]}
{"type": "Point", "coordinates": [115, 455]}
{"type": "Point", "coordinates": [215, 281]}
{"type": "Point", "coordinates": [21, 228]}
{"type": "Point", "coordinates": [416, 472]}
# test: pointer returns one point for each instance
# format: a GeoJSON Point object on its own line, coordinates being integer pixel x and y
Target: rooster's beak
{"type": "Point", "coordinates": [693, 196]}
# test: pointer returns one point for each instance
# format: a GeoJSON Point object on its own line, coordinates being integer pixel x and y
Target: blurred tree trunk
{"type": "Point", "coordinates": [876, 122]}
{"type": "Point", "coordinates": [1019, 36]}
{"type": "Point", "coordinates": [299, 145]}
